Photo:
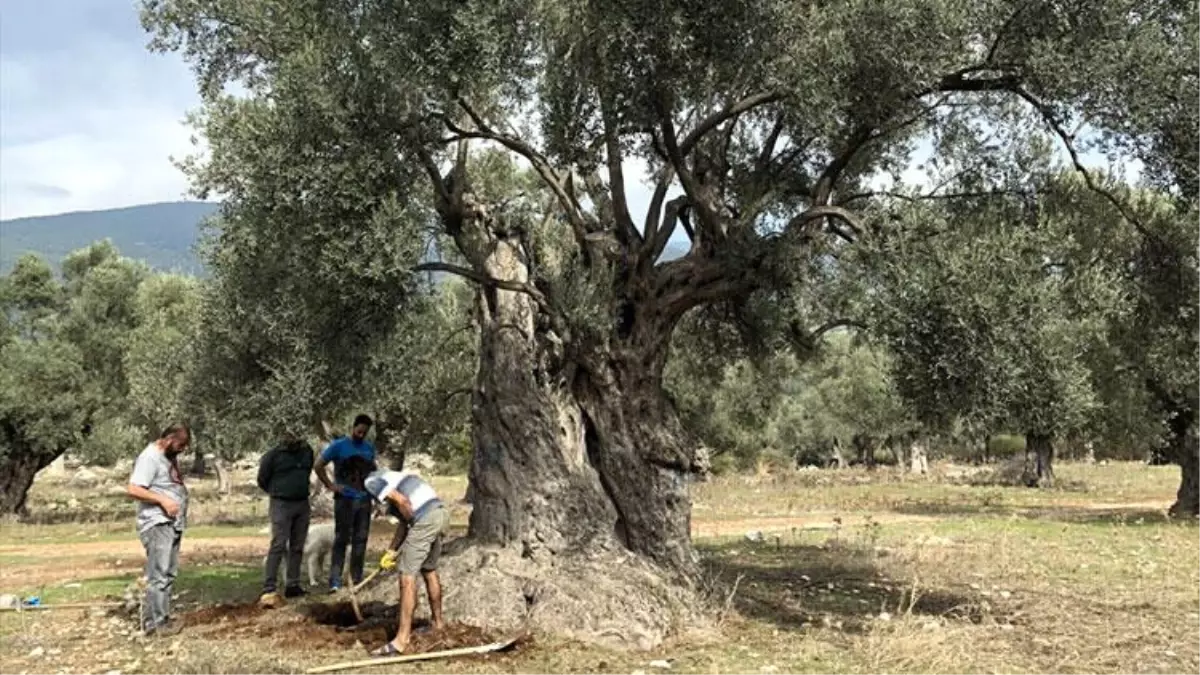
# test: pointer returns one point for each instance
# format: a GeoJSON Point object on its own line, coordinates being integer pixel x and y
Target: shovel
{"type": "Point", "coordinates": [355, 588]}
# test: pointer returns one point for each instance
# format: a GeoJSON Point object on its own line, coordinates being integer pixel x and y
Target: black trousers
{"type": "Point", "coordinates": [351, 526]}
{"type": "Point", "coordinates": [289, 529]}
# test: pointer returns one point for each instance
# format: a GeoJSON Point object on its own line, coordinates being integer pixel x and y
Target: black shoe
{"type": "Point", "coordinates": [294, 592]}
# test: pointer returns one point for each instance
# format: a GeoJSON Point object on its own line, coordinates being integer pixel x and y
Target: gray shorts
{"type": "Point", "coordinates": [422, 546]}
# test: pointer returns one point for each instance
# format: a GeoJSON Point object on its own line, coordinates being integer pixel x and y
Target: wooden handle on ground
{"type": "Point", "coordinates": [445, 654]}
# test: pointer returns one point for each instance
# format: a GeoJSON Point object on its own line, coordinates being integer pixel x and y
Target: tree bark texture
{"type": "Point", "coordinates": [576, 448]}
{"type": "Point", "coordinates": [18, 467]}
{"type": "Point", "coordinates": [865, 445]}
{"type": "Point", "coordinates": [1186, 451]}
{"type": "Point", "coordinates": [1039, 448]}
{"type": "Point", "coordinates": [918, 456]}
{"type": "Point", "coordinates": [224, 480]}
{"type": "Point", "coordinates": [199, 466]}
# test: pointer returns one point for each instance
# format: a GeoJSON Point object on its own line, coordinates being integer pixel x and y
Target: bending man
{"type": "Point", "coordinates": [416, 546]}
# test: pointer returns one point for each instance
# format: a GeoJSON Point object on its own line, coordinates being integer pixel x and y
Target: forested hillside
{"type": "Point", "coordinates": [161, 235]}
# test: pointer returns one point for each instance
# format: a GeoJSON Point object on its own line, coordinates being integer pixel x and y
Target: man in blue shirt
{"type": "Point", "coordinates": [353, 459]}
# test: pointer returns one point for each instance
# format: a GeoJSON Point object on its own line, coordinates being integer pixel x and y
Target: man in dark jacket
{"type": "Point", "coordinates": [283, 473]}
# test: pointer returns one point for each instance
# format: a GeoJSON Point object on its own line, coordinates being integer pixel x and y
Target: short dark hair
{"type": "Point", "coordinates": [362, 419]}
{"type": "Point", "coordinates": [174, 428]}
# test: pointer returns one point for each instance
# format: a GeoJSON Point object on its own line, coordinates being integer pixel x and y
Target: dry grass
{"type": "Point", "coordinates": [987, 580]}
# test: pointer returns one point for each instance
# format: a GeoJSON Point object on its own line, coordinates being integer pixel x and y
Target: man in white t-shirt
{"type": "Point", "coordinates": [416, 546]}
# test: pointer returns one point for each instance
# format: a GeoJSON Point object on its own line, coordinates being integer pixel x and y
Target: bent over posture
{"type": "Point", "coordinates": [416, 546]}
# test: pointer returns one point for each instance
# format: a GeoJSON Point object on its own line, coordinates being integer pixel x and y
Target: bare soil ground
{"type": "Point", "coordinates": [853, 572]}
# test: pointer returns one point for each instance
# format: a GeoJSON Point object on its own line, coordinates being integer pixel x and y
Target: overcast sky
{"type": "Point", "coordinates": [88, 117]}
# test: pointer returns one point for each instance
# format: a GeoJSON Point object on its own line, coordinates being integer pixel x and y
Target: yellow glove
{"type": "Point", "coordinates": [388, 562]}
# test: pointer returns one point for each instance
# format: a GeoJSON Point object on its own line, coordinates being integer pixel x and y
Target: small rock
{"type": "Point", "coordinates": [85, 478]}
{"type": "Point", "coordinates": [73, 584]}
{"type": "Point", "coordinates": [1169, 653]}
{"type": "Point", "coordinates": [660, 663]}
{"type": "Point", "coordinates": [1007, 626]}
{"type": "Point", "coordinates": [37, 653]}
{"type": "Point", "coordinates": [1005, 594]}
{"type": "Point", "coordinates": [9, 601]}
{"type": "Point", "coordinates": [54, 652]}
{"type": "Point", "coordinates": [884, 616]}
{"type": "Point", "coordinates": [754, 535]}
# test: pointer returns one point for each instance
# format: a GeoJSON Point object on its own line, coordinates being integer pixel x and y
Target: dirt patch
{"type": "Point", "coordinates": [223, 613]}
{"type": "Point", "coordinates": [305, 627]}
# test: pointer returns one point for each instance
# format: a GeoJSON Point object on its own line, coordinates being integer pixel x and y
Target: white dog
{"type": "Point", "coordinates": [318, 550]}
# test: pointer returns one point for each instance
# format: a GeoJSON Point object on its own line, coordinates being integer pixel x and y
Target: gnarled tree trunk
{"type": "Point", "coordinates": [18, 467]}
{"type": "Point", "coordinates": [918, 458]}
{"type": "Point", "coordinates": [865, 445]}
{"type": "Point", "coordinates": [224, 480]}
{"type": "Point", "coordinates": [1040, 449]}
{"type": "Point", "coordinates": [577, 449]}
{"type": "Point", "coordinates": [1185, 449]}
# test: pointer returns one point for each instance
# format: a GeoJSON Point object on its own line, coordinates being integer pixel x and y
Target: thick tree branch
{"type": "Point", "coordinates": [767, 153]}
{"type": "Point", "coordinates": [927, 197]}
{"type": "Point", "coordinates": [728, 112]}
{"type": "Point", "coordinates": [829, 177]}
{"type": "Point", "coordinates": [824, 328]}
{"type": "Point", "coordinates": [627, 234]}
{"type": "Point", "coordinates": [708, 216]}
{"type": "Point", "coordinates": [435, 175]}
{"type": "Point", "coordinates": [654, 212]}
{"type": "Point", "coordinates": [485, 280]}
{"type": "Point", "coordinates": [1051, 119]}
{"type": "Point", "coordinates": [671, 216]}
{"type": "Point", "coordinates": [552, 179]}
{"type": "Point", "coordinates": [817, 212]}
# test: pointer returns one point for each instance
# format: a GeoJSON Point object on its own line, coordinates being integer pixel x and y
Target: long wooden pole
{"type": "Point", "coordinates": [426, 656]}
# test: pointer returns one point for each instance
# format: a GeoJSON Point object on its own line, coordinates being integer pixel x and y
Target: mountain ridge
{"type": "Point", "coordinates": [164, 235]}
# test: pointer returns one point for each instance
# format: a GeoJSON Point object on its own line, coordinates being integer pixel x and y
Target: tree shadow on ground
{"type": "Point", "coordinates": [796, 585]}
{"type": "Point", "coordinates": [1062, 514]}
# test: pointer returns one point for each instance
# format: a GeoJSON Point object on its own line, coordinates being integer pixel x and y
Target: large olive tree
{"type": "Point", "coordinates": [758, 123]}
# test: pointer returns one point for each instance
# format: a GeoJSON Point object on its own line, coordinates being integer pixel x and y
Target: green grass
{"type": "Point", "coordinates": [991, 579]}
{"type": "Point", "coordinates": [196, 584]}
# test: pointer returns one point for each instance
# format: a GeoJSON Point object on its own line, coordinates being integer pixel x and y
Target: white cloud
{"type": "Point", "coordinates": [92, 126]}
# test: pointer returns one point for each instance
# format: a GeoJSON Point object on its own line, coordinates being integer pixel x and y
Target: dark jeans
{"type": "Point", "coordinates": [351, 525]}
{"type": "Point", "coordinates": [162, 564]}
{"type": "Point", "coordinates": [289, 529]}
